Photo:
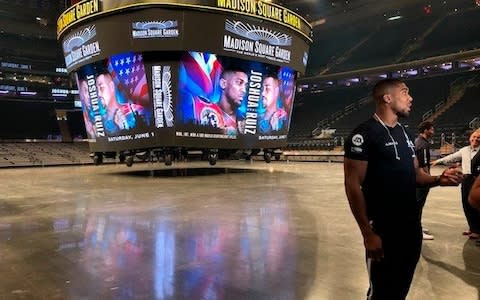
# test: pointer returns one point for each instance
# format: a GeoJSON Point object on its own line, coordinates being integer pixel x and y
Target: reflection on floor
{"type": "Point", "coordinates": [235, 231]}
{"type": "Point", "coordinates": [186, 171]}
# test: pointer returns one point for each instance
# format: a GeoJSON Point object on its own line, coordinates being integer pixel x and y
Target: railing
{"type": "Point", "coordinates": [439, 105]}
{"type": "Point", "coordinates": [364, 101]}
{"type": "Point", "coordinates": [337, 115]}
{"type": "Point", "coordinates": [350, 108]}
{"type": "Point", "coordinates": [427, 115]}
{"type": "Point", "coordinates": [323, 124]}
{"type": "Point", "coordinates": [474, 123]}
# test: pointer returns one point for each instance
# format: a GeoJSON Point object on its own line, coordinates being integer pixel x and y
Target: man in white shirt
{"type": "Point", "coordinates": [465, 155]}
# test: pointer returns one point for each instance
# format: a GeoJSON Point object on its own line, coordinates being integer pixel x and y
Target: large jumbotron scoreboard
{"type": "Point", "coordinates": [192, 73]}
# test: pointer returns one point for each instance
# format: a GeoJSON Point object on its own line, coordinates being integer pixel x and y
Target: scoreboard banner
{"type": "Point", "coordinates": [157, 29]}
{"type": "Point", "coordinates": [141, 31]}
{"type": "Point", "coordinates": [247, 39]}
{"type": "Point", "coordinates": [200, 73]}
{"type": "Point", "coordinates": [258, 9]}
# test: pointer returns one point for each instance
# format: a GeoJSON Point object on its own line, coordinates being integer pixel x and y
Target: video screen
{"type": "Point", "coordinates": [239, 101]}
{"type": "Point", "coordinates": [190, 99]}
{"type": "Point", "coordinates": [115, 99]}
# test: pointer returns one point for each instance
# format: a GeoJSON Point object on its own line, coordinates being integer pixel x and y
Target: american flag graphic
{"type": "Point", "coordinates": [200, 74]}
{"type": "Point", "coordinates": [286, 75]}
{"type": "Point", "coordinates": [128, 72]}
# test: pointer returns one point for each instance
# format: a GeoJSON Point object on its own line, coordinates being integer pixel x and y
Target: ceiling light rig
{"type": "Point", "coordinates": [318, 22]}
{"type": "Point", "coordinates": [42, 21]}
{"type": "Point", "coordinates": [394, 18]}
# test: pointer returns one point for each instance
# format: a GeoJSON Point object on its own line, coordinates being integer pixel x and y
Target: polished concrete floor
{"type": "Point", "coordinates": [238, 230]}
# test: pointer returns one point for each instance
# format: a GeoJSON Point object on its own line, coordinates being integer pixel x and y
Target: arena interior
{"type": "Point", "coordinates": [259, 223]}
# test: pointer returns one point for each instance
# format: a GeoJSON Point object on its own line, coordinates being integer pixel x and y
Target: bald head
{"type": "Point", "coordinates": [475, 138]}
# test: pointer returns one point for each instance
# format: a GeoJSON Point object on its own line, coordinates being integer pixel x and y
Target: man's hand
{"type": "Point", "coordinates": [451, 176]}
{"type": "Point", "coordinates": [373, 245]}
{"type": "Point", "coordinates": [120, 120]}
{"type": "Point", "coordinates": [275, 119]}
{"type": "Point", "coordinates": [241, 126]}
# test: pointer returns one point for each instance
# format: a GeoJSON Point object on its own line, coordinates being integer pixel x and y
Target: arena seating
{"type": "Point", "coordinates": [15, 154]}
{"type": "Point", "coordinates": [347, 49]}
{"type": "Point", "coordinates": [28, 120]}
{"type": "Point", "coordinates": [430, 95]}
{"type": "Point", "coordinates": [382, 47]}
{"type": "Point", "coordinates": [313, 108]}
{"type": "Point", "coordinates": [43, 50]}
{"type": "Point", "coordinates": [455, 120]}
{"type": "Point", "coordinates": [329, 44]}
{"type": "Point", "coordinates": [76, 124]}
{"type": "Point", "coordinates": [461, 36]}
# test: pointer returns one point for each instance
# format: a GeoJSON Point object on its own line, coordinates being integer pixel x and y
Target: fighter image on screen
{"type": "Point", "coordinates": [118, 116]}
{"type": "Point", "coordinates": [287, 89]}
{"type": "Point", "coordinates": [88, 115]}
{"type": "Point", "coordinates": [233, 83]}
{"type": "Point", "coordinates": [274, 117]}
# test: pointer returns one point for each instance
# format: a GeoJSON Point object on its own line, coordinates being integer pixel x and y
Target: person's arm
{"type": "Point", "coordinates": [355, 171]}
{"type": "Point", "coordinates": [451, 176]}
{"type": "Point", "coordinates": [474, 197]}
{"type": "Point", "coordinates": [456, 156]}
{"type": "Point", "coordinates": [421, 155]}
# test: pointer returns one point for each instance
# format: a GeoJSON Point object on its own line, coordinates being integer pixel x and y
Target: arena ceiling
{"type": "Point", "coordinates": [331, 13]}
{"type": "Point", "coordinates": [37, 19]}
{"type": "Point", "coordinates": [323, 14]}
